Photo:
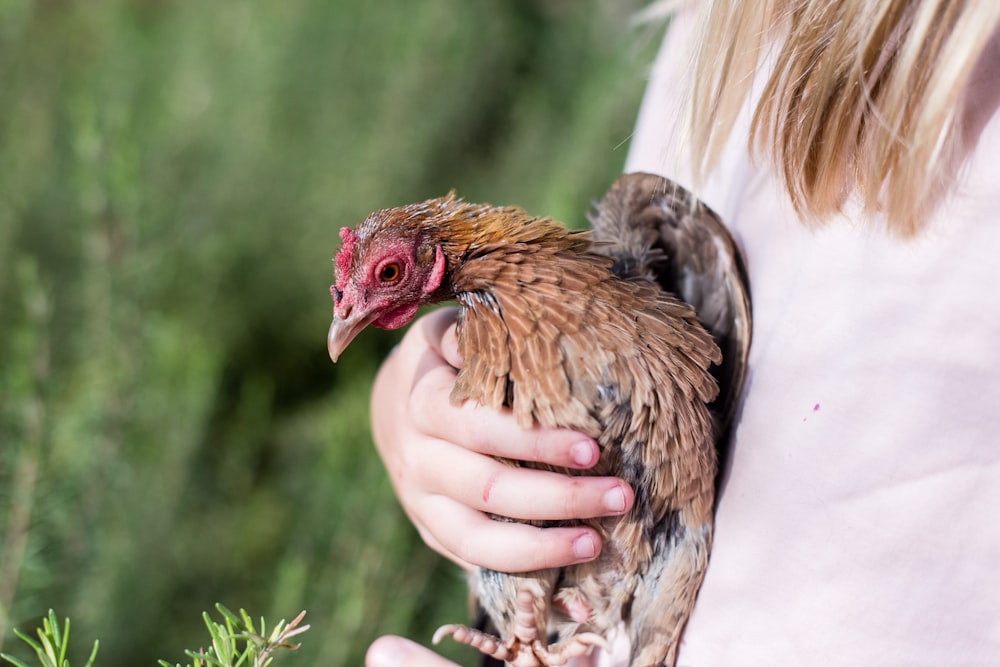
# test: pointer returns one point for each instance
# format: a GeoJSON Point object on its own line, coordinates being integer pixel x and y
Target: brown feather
{"type": "Point", "coordinates": [572, 334]}
{"type": "Point", "coordinates": [581, 345]}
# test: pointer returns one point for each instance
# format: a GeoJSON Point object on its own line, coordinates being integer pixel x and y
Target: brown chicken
{"type": "Point", "coordinates": [568, 332]}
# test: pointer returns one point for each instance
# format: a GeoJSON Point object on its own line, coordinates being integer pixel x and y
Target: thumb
{"type": "Point", "coordinates": [439, 332]}
{"type": "Point", "coordinates": [391, 651]}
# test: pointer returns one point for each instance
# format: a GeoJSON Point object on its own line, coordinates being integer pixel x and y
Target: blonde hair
{"type": "Point", "coordinates": [865, 96]}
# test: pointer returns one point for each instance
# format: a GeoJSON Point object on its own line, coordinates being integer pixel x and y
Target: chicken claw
{"type": "Point", "coordinates": [520, 654]}
{"type": "Point", "coordinates": [523, 649]}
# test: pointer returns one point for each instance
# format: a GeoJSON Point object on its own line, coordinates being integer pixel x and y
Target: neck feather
{"type": "Point", "coordinates": [469, 230]}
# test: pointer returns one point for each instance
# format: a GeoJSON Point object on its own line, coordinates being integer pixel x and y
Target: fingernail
{"type": "Point", "coordinates": [584, 547]}
{"type": "Point", "coordinates": [582, 454]}
{"type": "Point", "coordinates": [614, 500]}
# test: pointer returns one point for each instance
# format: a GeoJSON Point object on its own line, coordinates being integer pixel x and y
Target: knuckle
{"type": "Point", "coordinates": [422, 406]}
{"type": "Point", "coordinates": [474, 432]}
{"type": "Point", "coordinates": [538, 448]}
{"type": "Point", "coordinates": [466, 548]}
{"type": "Point", "coordinates": [542, 556]}
{"type": "Point", "coordinates": [407, 466]}
{"type": "Point", "coordinates": [571, 499]}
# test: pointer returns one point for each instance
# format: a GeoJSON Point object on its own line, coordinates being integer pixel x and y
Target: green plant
{"type": "Point", "coordinates": [52, 644]}
{"type": "Point", "coordinates": [236, 642]}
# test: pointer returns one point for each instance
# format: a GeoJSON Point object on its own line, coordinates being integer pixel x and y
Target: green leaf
{"type": "Point", "coordinates": [63, 641]}
{"type": "Point", "coordinates": [51, 625]}
{"type": "Point", "coordinates": [93, 653]}
{"type": "Point", "coordinates": [230, 616]}
{"type": "Point", "coordinates": [28, 640]}
{"type": "Point", "coordinates": [12, 660]}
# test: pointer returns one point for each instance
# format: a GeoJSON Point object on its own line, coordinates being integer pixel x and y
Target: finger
{"type": "Point", "coordinates": [390, 651]}
{"type": "Point", "coordinates": [492, 432]}
{"type": "Point", "coordinates": [472, 537]}
{"type": "Point", "coordinates": [483, 429]}
{"type": "Point", "coordinates": [449, 346]}
{"type": "Point", "coordinates": [438, 329]}
{"type": "Point", "coordinates": [418, 352]}
{"type": "Point", "coordinates": [434, 543]}
{"type": "Point", "coordinates": [490, 486]}
{"type": "Point", "coordinates": [522, 493]}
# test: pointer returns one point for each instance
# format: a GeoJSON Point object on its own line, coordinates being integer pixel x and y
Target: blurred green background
{"type": "Point", "coordinates": [172, 179]}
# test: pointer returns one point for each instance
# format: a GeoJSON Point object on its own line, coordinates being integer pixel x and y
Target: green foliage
{"type": "Point", "coordinates": [236, 642]}
{"type": "Point", "coordinates": [51, 646]}
{"type": "Point", "coordinates": [172, 178]}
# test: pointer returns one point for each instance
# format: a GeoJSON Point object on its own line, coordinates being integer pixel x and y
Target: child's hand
{"type": "Point", "coordinates": [440, 461]}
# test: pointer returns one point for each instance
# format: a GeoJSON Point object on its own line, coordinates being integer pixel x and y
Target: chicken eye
{"type": "Point", "coordinates": [390, 273]}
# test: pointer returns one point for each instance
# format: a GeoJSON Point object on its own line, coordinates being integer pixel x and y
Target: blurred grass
{"type": "Point", "coordinates": [172, 178]}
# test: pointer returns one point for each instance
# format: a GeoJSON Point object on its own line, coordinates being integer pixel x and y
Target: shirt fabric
{"type": "Point", "coordinates": [859, 519]}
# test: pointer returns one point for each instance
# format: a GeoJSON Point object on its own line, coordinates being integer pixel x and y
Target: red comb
{"type": "Point", "coordinates": [348, 240]}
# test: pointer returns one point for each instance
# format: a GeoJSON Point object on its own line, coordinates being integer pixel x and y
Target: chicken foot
{"type": "Point", "coordinates": [523, 648]}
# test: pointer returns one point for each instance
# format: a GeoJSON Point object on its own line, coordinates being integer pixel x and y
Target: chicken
{"type": "Point", "coordinates": [548, 329]}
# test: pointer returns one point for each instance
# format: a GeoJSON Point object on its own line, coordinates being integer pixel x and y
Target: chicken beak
{"type": "Point", "coordinates": [344, 329]}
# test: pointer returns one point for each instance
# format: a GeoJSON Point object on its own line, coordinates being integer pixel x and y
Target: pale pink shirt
{"type": "Point", "coordinates": [859, 523]}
